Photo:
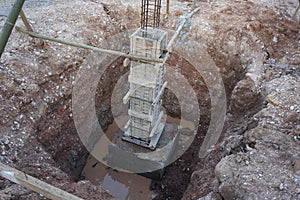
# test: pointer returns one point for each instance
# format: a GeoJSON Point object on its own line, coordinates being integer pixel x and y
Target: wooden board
{"type": "Point", "coordinates": [34, 184]}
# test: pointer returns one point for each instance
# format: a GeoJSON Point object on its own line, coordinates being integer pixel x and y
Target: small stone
{"type": "Point", "coordinates": [297, 130]}
{"type": "Point", "coordinates": [282, 186]}
{"type": "Point", "coordinates": [126, 62]}
{"type": "Point", "coordinates": [6, 141]}
{"type": "Point", "coordinates": [178, 12]}
{"type": "Point", "coordinates": [227, 191]}
{"type": "Point", "coordinates": [238, 159]}
{"type": "Point", "coordinates": [297, 165]}
{"type": "Point", "coordinates": [291, 117]}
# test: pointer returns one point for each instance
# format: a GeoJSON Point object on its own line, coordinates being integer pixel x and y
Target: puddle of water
{"type": "Point", "coordinates": [124, 185]}
{"type": "Point", "coordinates": [120, 184]}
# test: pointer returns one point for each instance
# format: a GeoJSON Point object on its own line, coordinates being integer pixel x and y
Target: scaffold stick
{"type": "Point", "coordinates": [84, 46]}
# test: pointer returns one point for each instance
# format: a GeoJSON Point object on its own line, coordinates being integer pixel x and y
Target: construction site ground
{"type": "Point", "coordinates": [254, 43]}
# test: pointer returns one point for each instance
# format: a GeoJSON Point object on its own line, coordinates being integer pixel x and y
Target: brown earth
{"type": "Point", "coordinates": [255, 45]}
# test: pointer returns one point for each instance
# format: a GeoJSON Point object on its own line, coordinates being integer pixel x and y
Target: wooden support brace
{"type": "Point", "coordinates": [34, 184]}
{"type": "Point", "coordinates": [25, 21]}
{"type": "Point", "coordinates": [127, 124]}
{"type": "Point", "coordinates": [29, 27]}
{"type": "Point", "coordinates": [157, 124]}
{"type": "Point", "coordinates": [126, 97]}
{"type": "Point", "coordinates": [139, 115]}
{"type": "Point", "coordinates": [160, 93]}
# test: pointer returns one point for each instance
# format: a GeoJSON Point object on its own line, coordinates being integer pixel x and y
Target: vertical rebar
{"type": "Point", "coordinates": [150, 14]}
{"type": "Point", "coordinates": [168, 6]}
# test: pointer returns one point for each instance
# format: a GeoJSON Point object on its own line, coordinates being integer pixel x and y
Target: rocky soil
{"type": "Point", "coordinates": [255, 44]}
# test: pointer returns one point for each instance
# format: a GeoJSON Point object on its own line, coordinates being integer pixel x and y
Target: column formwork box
{"type": "Point", "coordinates": [146, 120]}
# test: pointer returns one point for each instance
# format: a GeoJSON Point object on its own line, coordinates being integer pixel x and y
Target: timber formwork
{"type": "Point", "coordinates": [146, 120]}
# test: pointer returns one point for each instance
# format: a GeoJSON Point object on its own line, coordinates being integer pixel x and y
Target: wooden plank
{"type": "Point", "coordinates": [139, 115]}
{"type": "Point", "coordinates": [141, 81]}
{"type": "Point", "coordinates": [38, 41]}
{"type": "Point", "coordinates": [158, 97]}
{"type": "Point", "coordinates": [148, 46]}
{"type": "Point", "coordinates": [25, 21]}
{"type": "Point", "coordinates": [126, 98]}
{"type": "Point", "coordinates": [157, 124]}
{"type": "Point", "coordinates": [34, 184]}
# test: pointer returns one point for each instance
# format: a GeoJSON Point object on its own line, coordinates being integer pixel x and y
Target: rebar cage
{"type": "Point", "coordinates": [150, 15]}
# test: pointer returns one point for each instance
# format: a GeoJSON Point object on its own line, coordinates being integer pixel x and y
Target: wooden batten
{"type": "Point", "coordinates": [35, 184]}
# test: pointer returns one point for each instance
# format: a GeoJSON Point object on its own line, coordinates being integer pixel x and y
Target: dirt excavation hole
{"type": "Point", "coordinates": [72, 157]}
{"type": "Point", "coordinates": [176, 176]}
{"type": "Point", "coordinates": [255, 47]}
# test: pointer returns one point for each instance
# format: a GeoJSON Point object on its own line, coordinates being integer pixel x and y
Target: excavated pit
{"type": "Point", "coordinates": [38, 132]}
{"type": "Point", "coordinates": [72, 157]}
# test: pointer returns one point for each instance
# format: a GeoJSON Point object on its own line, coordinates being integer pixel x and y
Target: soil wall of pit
{"type": "Point", "coordinates": [68, 151]}
{"type": "Point", "coordinates": [254, 45]}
